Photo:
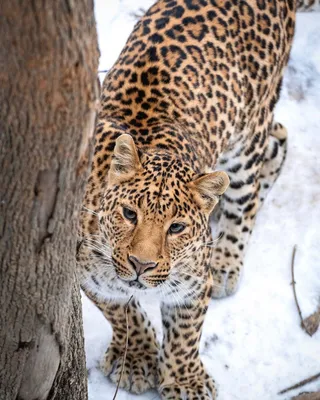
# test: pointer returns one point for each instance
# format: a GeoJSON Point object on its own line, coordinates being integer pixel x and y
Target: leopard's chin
{"type": "Point", "coordinates": [137, 284]}
{"type": "Point", "coordinates": [139, 287]}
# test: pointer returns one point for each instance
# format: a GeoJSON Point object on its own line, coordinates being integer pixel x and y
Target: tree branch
{"type": "Point", "coordinates": [293, 283]}
{"type": "Point", "coordinates": [125, 349]}
{"type": "Point", "coordinates": [300, 384]}
{"type": "Point", "coordinates": [308, 396]}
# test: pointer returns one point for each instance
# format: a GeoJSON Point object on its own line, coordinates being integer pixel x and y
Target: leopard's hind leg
{"type": "Point", "coordinates": [273, 160]}
{"type": "Point", "coordinates": [252, 170]}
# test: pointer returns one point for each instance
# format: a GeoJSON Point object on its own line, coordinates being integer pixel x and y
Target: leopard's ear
{"type": "Point", "coordinates": [208, 187]}
{"type": "Point", "coordinates": [125, 161]}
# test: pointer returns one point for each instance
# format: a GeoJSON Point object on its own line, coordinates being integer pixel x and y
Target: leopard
{"type": "Point", "coordinates": [185, 131]}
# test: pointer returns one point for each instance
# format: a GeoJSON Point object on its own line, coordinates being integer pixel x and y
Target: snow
{"type": "Point", "coordinates": [252, 342]}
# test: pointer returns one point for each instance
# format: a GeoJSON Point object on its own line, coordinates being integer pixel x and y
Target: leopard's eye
{"type": "Point", "coordinates": [130, 215]}
{"type": "Point", "coordinates": [176, 228]}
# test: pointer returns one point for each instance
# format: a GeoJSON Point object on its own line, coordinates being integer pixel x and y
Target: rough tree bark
{"type": "Point", "coordinates": [48, 100]}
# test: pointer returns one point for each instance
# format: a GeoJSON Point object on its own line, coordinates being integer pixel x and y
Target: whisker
{"type": "Point", "coordinates": [214, 241]}
{"type": "Point", "coordinates": [97, 242]}
{"type": "Point", "coordinates": [90, 211]}
{"type": "Point", "coordinates": [98, 246]}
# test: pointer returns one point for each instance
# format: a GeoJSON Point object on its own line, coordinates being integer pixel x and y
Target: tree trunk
{"type": "Point", "coordinates": [48, 101]}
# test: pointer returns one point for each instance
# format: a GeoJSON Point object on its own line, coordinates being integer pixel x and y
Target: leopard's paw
{"type": "Point", "coordinates": [197, 388]}
{"type": "Point", "coordinates": [226, 280]}
{"type": "Point", "coordinates": [139, 369]}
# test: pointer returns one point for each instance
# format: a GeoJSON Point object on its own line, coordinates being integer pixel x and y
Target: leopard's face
{"type": "Point", "coordinates": [153, 221]}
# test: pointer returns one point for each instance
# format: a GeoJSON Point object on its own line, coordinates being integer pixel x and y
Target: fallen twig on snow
{"type": "Point", "coordinates": [137, 15]}
{"type": "Point", "coordinates": [312, 323]}
{"type": "Point", "coordinates": [293, 283]}
{"type": "Point", "coordinates": [125, 349]}
{"type": "Point", "coordinates": [308, 396]}
{"type": "Point", "coordinates": [300, 384]}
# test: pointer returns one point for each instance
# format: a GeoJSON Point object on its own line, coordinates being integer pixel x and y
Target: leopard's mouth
{"type": "Point", "coordinates": [143, 283]}
{"type": "Point", "coordinates": [140, 284]}
{"type": "Point", "coordinates": [132, 282]}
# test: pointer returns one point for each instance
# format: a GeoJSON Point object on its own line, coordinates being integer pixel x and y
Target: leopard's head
{"type": "Point", "coordinates": [154, 220]}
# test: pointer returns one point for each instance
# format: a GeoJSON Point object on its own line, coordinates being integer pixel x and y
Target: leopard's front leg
{"type": "Point", "coordinates": [140, 366]}
{"type": "Point", "coordinates": [181, 372]}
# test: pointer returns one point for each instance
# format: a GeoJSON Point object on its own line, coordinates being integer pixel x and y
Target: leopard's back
{"type": "Point", "coordinates": [211, 69]}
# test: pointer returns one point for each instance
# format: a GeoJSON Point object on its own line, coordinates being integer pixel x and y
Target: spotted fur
{"type": "Point", "coordinates": [193, 91]}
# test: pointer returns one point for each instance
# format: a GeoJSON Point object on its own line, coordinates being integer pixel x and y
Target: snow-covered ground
{"type": "Point", "coordinates": [252, 342]}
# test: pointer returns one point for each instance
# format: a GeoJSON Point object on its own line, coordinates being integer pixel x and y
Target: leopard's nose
{"type": "Point", "coordinates": [141, 266]}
